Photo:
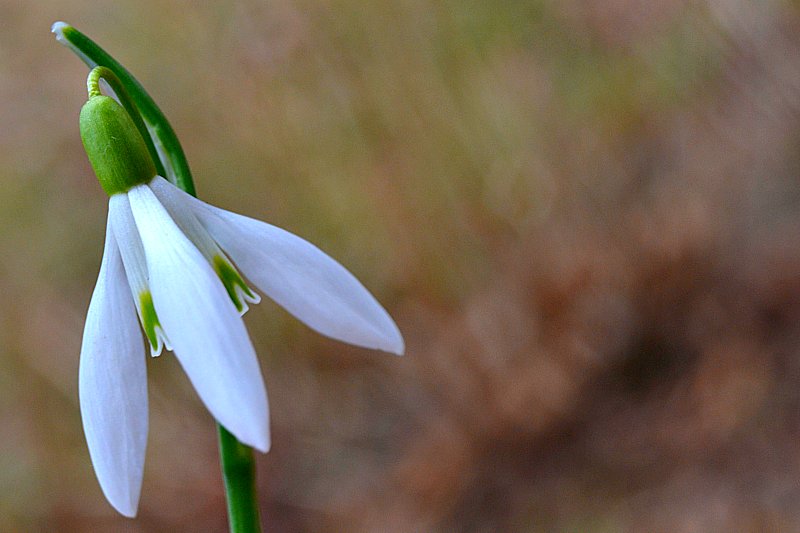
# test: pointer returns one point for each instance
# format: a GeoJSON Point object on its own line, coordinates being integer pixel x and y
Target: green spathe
{"type": "Point", "coordinates": [115, 148]}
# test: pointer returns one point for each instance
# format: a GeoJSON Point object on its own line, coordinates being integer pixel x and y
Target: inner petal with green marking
{"type": "Point", "coordinates": [237, 289]}
{"type": "Point", "coordinates": [150, 321]}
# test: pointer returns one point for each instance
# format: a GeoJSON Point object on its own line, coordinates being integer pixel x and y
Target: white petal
{"type": "Point", "coordinates": [298, 276]}
{"type": "Point", "coordinates": [206, 331]}
{"type": "Point", "coordinates": [113, 385]}
{"type": "Point", "coordinates": [120, 219]}
{"type": "Point", "coordinates": [179, 208]}
{"type": "Point", "coordinates": [181, 213]}
{"type": "Point", "coordinates": [126, 235]}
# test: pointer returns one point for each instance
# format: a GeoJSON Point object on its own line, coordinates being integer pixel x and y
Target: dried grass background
{"type": "Point", "coordinates": [584, 216]}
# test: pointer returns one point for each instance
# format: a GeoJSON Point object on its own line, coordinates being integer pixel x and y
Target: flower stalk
{"type": "Point", "coordinates": [239, 474]}
{"type": "Point", "coordinates": [237, 460]}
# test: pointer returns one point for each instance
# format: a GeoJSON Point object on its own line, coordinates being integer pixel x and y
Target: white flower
{"type": "Point", "coordinates": [169, 258]}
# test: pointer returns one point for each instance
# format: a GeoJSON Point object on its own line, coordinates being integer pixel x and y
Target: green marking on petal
{"type": "Point", "coordinates": [149, 318]}
{"type": "Point", "coordinates": [231, 279]}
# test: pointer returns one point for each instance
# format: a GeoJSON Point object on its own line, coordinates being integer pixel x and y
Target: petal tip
{"type": "Point", "coordinates": [264, 446]}
{"type": "Point", "coordinates": [124, 502]}
{"type": "Point", "coordinates": [263, 441]}
{"type": "Point", "coordinates": [395, 345]}
{"type": "Point", "coordinates": [393, 342]}
{"type": "Point", "coordinates": [128, 511]}
{"type": "Point", "coordinates": [399, 352]}
{"type": "Point", "coordinates": [260, 440]}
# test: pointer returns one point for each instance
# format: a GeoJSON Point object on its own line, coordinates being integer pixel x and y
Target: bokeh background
{"type": "Point", "coordinates": [584, 216]}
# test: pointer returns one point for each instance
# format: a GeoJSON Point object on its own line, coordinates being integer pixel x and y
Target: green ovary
{"type": "Point", "coordinates": [231, 279]}
{"type": "Point", "coordinates": [114, 146]}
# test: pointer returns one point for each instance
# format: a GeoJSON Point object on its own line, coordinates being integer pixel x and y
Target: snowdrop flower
{"type": "Point", "coordinates": [172, 264]}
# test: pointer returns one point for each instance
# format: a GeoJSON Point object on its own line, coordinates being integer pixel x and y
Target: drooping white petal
{"type": "Point", "coordinates": [120, 219]}
{"type": "Point", "coordinates": [297, 275]}
{"type": "Point", "coordinates": [187, 222]}
{"type": "Point", "coordinates": [204, 327]}
{"type": "Point", "coordinates": [112, 385]}
{"type": "Point", "coordinates": [180, 211]}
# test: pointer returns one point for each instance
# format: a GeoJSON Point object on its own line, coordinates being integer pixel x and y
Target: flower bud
{"type": "Point", "coordinates": [115, 148]}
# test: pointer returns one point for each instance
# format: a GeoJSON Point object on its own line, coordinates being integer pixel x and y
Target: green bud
{"type": "Point", "coordinates": [115, 148]}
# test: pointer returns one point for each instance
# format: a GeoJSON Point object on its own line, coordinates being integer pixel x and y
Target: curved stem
{"type": "Point", "coordinates": [238, 463]}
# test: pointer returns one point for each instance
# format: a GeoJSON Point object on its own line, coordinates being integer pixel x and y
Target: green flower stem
{"type": "Point", "coordinates": [238, 463]}
{"type": "Point", "coordinates": [239, 471]}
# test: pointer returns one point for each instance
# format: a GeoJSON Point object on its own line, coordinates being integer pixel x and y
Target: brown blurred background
{"type": "Point", "coordinates": [584, 216]}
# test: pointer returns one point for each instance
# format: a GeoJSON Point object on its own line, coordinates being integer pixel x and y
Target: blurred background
{"type": "Point", "coordinates": [584, 216]}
